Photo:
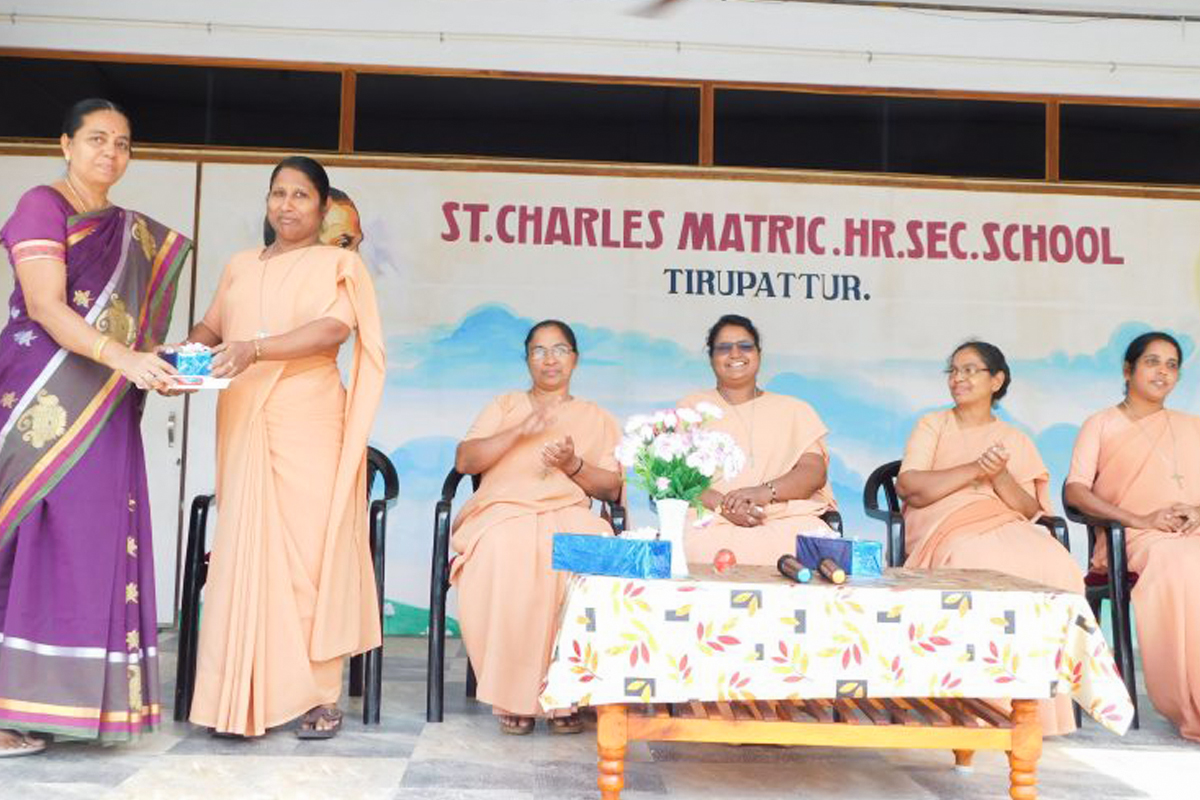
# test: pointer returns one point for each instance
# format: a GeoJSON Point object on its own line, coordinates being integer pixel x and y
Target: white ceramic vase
{"type": "Point", "coordinates": [672, 521]}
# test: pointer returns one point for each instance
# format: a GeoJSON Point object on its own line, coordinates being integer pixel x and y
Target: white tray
{"type": "Point", "coordinates": [200, 382]}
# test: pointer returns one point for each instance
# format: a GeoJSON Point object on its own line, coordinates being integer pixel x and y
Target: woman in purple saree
{"type": "Point", "coordinates": [95, 287]}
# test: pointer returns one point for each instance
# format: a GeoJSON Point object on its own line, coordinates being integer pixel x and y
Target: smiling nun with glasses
{"type": "Point", "coordinates": [543, 455]}
{"type": "Point", "coordinates": [784, 488]}
{"type": "Point", "coordinates": [972, 485]}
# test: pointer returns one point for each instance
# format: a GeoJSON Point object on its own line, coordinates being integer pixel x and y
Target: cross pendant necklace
{"type": "Point", "coordinates": [1174, 462]}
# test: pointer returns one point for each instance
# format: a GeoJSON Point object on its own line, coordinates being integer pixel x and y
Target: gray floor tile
{"type": "Point", "coordinates": [467, 758]}
{"type": "Point", "coordinates": [575, 777]}
{"type": "Point", "coordinates": [949, 784]}
{"type": "Point", "coordinates": [447, 774]}
{"type": "Point", "coordinates": [21, 790]}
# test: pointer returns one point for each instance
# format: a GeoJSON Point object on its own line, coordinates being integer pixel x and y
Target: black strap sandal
{"type": "Point", "coordinates": [308, 723]}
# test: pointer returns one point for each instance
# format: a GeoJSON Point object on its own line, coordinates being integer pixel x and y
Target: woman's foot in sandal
{"type": "Point", "coordinates": [516, 725]}
{"type": "Point", "coordinates": [322, 722]}
{"type": "Point", "coordinates": [568, 724]}
{"type": "Point", "coordinates": [14, 744]}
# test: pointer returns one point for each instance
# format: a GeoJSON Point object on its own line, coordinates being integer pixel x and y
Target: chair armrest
{"type": "Point", "coordinates": [1118, 558]}
{"type": "Point", "coordinates": [1058, 529]}
{"type": "Point", "coordinates": [833, 519]}
{"type": "Point", "coordinates": [450, 487]}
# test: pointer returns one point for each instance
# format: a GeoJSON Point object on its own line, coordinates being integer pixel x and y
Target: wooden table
{"type": "Point", "coordinates": [898, 661]}
{"type": "Point", "coordinates": [960, 725]}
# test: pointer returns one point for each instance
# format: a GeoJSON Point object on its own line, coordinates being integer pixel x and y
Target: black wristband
{"type": "Point", "coordinates": [576, 472]}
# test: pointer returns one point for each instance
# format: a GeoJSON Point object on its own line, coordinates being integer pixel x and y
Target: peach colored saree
{"type": "Point", "coordinates": [290, 588]}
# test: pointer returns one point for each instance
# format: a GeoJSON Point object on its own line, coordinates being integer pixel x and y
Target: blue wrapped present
{"type": "Point", "coordinates": [193, 361]}
{"type": "Point", "coordinates": [608, 555]}
{"type": "Point", "coordinates": [859, 557]}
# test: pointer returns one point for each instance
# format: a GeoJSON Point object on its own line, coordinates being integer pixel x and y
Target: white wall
{"type": "Point", "coordinates": [794, 42]}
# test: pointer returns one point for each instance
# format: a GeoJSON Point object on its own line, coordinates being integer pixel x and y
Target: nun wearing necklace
{"type": "Point", "coordinates": [784, 488]}
{"type": "Point", "coordinates": [1138, 462]}
{"type": "Point", "coordinates": [290, 591]}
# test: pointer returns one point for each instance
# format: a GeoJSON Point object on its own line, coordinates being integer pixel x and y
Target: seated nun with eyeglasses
{"type": "Point", "coordinates": [784, 488]}
{"type": "Point", "coordinates": [543, 455]}
{"type": "Point", "coordinates": [973, 484]}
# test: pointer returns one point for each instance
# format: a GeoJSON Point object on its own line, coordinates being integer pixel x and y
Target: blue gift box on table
{"type": "Point", "coordinates": [861, 557]}
{"type": "Point", "coordinates": [609, 555]}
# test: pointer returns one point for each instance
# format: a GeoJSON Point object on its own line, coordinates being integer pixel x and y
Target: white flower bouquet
{"type": "Point", "coordinates": [672, 455]}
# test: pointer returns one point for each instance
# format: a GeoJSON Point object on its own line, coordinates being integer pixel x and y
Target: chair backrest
{"type": "Point", "coordinates": [380, 465]}
{"type": "Point", "coordinates": [884, 477]}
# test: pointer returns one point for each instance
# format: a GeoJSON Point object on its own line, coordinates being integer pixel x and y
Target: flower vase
{"type": "Point", "coordinates": [672, 521]}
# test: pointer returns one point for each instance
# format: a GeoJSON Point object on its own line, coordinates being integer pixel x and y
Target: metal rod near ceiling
{"type": "Point", "coordinates": [1100, 9]}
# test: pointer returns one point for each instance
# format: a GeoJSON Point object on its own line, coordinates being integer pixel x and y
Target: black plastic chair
{"type": "Point", "coordinates": [884, 478]}
{"type": "Point", "coordinates": [439, 586]}
{"type": "Point", "coordinates": [366, 669]}
{"type": "Point", "coordinates": [1115, 586]}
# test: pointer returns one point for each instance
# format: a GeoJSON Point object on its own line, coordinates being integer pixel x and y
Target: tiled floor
{"type": "Point", "coordinates": [467, 757]}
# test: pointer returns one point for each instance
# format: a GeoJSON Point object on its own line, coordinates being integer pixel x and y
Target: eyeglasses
{"type": "Point", "coordinates": [559, 350]}
{"type": "Point", "coordinates": [725, 348]}
{"type": "Point", "coordinates": [968, 371]}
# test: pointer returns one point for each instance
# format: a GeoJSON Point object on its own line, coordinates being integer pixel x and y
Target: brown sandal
{"type": "Point", "coordinates": [568, 724]}
{"type": "Point", "coordinates": [516, 725]}
{"type": "Point", "coordinates": [308, 723]}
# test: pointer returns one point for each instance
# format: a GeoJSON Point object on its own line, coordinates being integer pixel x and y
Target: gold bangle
{"type": "Point", "coordinates": [98, 348]}
{"type": "Point", "coordinates": [257, 350]}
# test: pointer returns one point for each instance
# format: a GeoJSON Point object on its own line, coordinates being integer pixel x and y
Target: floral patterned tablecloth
{"type": "Point", "coordinates": [750, 634]}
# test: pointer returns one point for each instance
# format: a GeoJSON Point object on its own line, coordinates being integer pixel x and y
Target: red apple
{"type": "Point", "coordinates": [723, 560]}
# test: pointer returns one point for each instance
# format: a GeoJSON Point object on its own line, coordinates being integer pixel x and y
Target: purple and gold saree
{"type": "Point", "coordinates": [78, 641]}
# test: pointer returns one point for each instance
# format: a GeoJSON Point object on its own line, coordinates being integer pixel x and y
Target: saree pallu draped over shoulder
{"type": "Point", "coordinates": [1143, 466]}
{"type": "Point", "coordinates": [291, 589]}
{"type": "Point", "coordinates": [78, 649]}
{"type": "Point", "coordinates": [973, 528]}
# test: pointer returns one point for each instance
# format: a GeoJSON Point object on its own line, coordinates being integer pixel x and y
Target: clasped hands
{"type": "Point", "coordinates": [558, 454]}
{"type": "Point", "coordinates": [746, 507]}
{"type": "Point", "coordinates": [1177, 518]}
{"type": "Point", "coordinates": [993, 462]}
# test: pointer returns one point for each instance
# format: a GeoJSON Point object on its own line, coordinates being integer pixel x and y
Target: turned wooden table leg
{"type": "Point", "coordinates": [1026, 750]}
{"type": "Point", "coordinates": [962, 759]}
{"type": "Point", "coordinates": [612, 736]}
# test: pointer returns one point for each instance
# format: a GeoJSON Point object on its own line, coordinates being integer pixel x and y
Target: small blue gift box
{"type": "Point", "coordinates": [860, 557]}
{"type": "Point", "coordinates": [194, 363]}
{"type": "Point", "coordinates": [189, 363]}
{"type": "Point", "coordinates": [609, 555]}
